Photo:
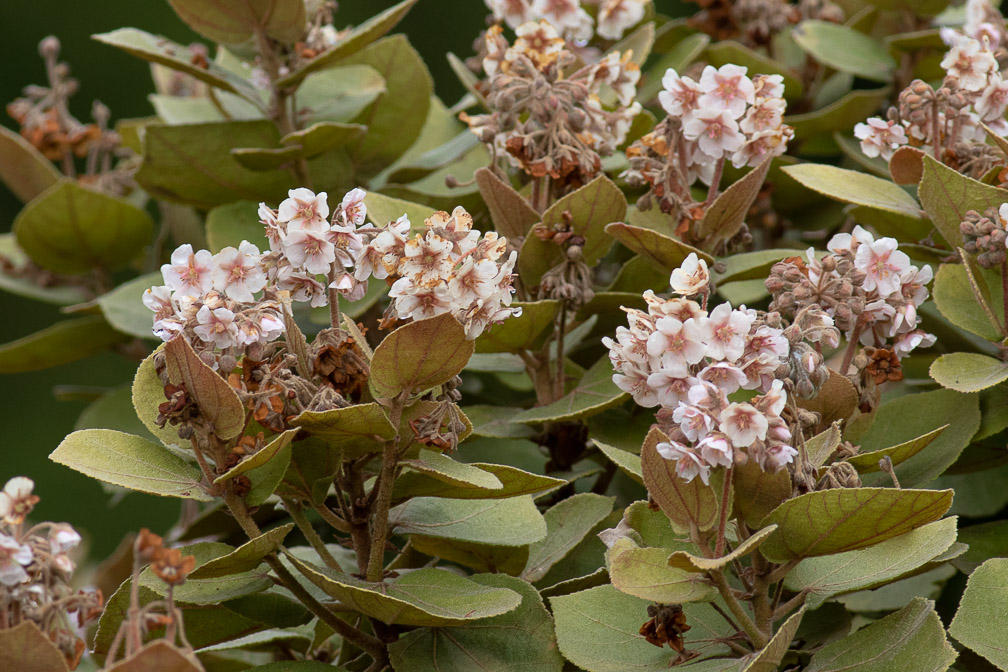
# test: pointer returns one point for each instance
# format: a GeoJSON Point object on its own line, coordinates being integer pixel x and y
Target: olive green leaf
{"type": "Point", "coordinates": [124, 310]}
{"type": "Point", "coordinates": [968, 371]}
{"type": "Point", "coordinates": [758, 492]}
{"type": "Point", "coordinates": [235, 21]}
{"type": "Point", "coordinates": [114, 410]}
{"type": "Point", "coordinates": [957, 301]}
{"type": "Point", "coordinates": [489, 645]}
{"type": "Point", "coordinates": [329, 100]}
{"type": "Point", "coordinates": [947, 195]}
{"type": "Point", "coordinates": [443, 468]}
{"type": "Point", "coordinates": [479, 557]}
{"type": "Point", "coordinates": [986, 540]}
{"type": "Point", "coordinates": [692, 563]}
{"type": "Point", "coordinates": [131, 462]}
{"type": "Point", "coordinates": [63, 342]}
{"type": "Point", "coordinates": [846, 519]}
{"type": "Point", "coordinates": [25, 171]}
{"type": "Point", "coordinates": [209, 590]}
{"type": "Point", "coordinates": [264, 469]}
{"type": "Point", "coordinates": [497, 422]}
{"type": "Point", "coordinates": [357, 429]}
{"type": "Point", "coordinates": [324, 136]}
{"type": "Point", "coordinates": [677, 57]}
{"type": "Point", "coordinates": [845, 49]}
{"type": "Point", "coordinates": [511, 214]}
{"type": "Point", "coordinates": [422, 597]}
{"type": "Point", "coordinates": [768, 659]}
{"type": "Point", "coordinates": [726, 215]}
{"type": "Point", "coordinates": [567, 523]}
{"type": "Point", "coordinates": [837, 400]}
{"type": "Point", "coordinates": [228, 225]}
{"type": "Point", "coordinates": [645, 573]}
{"type": "Point", "coordinates": [868, 462]}
{"type": "Point", "coordinates": [838, 115]}
{"type": "Point", "coordinates": [11, 281]}
{"type": "Point", "coordinates": [512, 521]}
{"type": "Point", "coordinates": [629, 463]}
{"type": "Point", "coordinates": [419, 356]}
{"type": "Point", "coordinates": [524, 332]}
{"type": "Point", "coordinates": [821, 446]}
{"type": "Point", "coordinates": [979, 622]}
{"type": "Point", "coordinates": [158, 655]}
{"type": "Point", "coordinates": [147, 394]}
{"type": "Point", "coordinates": [852, 186]}
{"type": "Point", "coordinates": [659, 249]}
{"type": "Point", "coordinates": [911, 639]}
{"type": "Point", "coordinates": [25, 648]}
{"type": "Point", "coordinates": [70, 228]}
{"type": "Point", "coordinates": [750, 265]}
{"type": "Point", "coordinates": [686, 504]}
{"type": "Point", "coordinates": [246, 557]}
{"type": "Point", "coordinates": [382, 209]}
{"type": "Point", "coordinates": [218, 402]}
{"type": "Point", "coordinates": [514, 482]}
{"type": "Point", "coordinates": [595, 392]}
{"type": "Point", "coordinates": [830, 575]}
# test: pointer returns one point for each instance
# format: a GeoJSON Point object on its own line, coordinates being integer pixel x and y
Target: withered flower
{"type": "Point", "coordinates": [883, 365]}
{"type": "Point", "coordinates": [172, 567]}
{"type": "Point", "coordinates": [666, 625]}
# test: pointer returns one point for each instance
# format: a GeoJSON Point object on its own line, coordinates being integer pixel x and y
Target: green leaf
{"type": "Point", "coordinates": [968, 371]}
{"type": "Point", "coordinates": [73, 229]}
{"type": "Point", "coordinates": [953, 295]}
{"type": "Point", "coordinates": [629, 463]}
{"type": "Point", "coordinates": [382, 209]}
{"type": "Point", "coordinates": [832, 575]}
{"type": "Point", "coordinates": [837, 400]}
{"type": "Point", "coordinates": [947, 195]}
{"type": "Point", "coordinates": [246, 557]}
{"type": "Point", "coordinates": [680, 55]}
{"type": "Point", "coordinates": [478, 557]}
{"type": "Point", "coordinates": [567, 523]}
{"type": "Point", "coordinates": [908, 417]}
{"type": "Point", "coordinates": [357, 429]}
{"type": "Point", "coordinates": [514, 482]}
{"type": "Point", "coordinates": [660, 250]}
{"type": "Point", "coordinates": [358, 38]}
{"type": "Point", "coordinates": [769, 658]}
{"type": "Point", "coordinates": [324, 136]}
{"type": "Point", "coordinates": [396, 118]}
{"type": "Point", "coordinates": [419, 356]}
{"type": "Point", "coordinates": [591, 207]}
{"type": "Point", "coordinates": [66, 341]}
{"type": "Point", "coordinates": [910, 639]}
{"type": "Point", "coordinates": [511, 214]}
{"type": "Point", "coordinates": [163, 51]}
{"type": "Point", "coordinates": [235, 21]}
{"type": "Point", "coordinates": [265, 468]}
{"type": "Point", "coordinates": [422, 597]}
{"type": "Point", "coordinates": [722, 52]}
{"type": "Point", "coordinates": [25, 648]}
{"type": "Point", "coordinates": [497, 422]}
{"type": "Point", "coordinates": [595, 392]}
{"type": "Point", "coordinates": [524, 332]}
{"type": "Point", "coordinates": [218, 402]}
{"type": "Point", "coordinates": [846, 519]}
{"type": "Point", "coordinates": [522, 638]}
{"type": "Point", "coordinates": [868, 462]}
{"type": "Point", "coordinates": [113, 410]}
{"type": "Point", "coordinates": [838, 116]}
{"type": "Point", "coordinates": [124, 310]}
{"type": "Point", "coordinates": [25, 285]}
{"type": "Point", "coordinates": [175, 110]}
{"type": "Point", "coordinates": [338, 95]}
{"type": "Point", "coordinates": [750, 265]}
{"type": "Point", "coordinates": [986, 540]}
{"type": "Point", "coordinates": [726, 215]}
{"type": "Point", "coordinates": [845, 49]}
{"type": "Point", "coordinates": [645, 573]}
{"type": "Point", "coordinates": [851, 186]}
{"type": "Point", "coordinates": [979, 622]}
{"type": "Point", "coordinates": [758, 492]}
{"type": "Point", "coordinates": [514, 521]}
{"type": "Point", "coordinates": [228, 225]}
{"type": "Point", "coordinates": [443, 468]}
{"type": "Point", "coordinates": [131, 462]}
{"type": "Point", "coordinates": [147, 394]}
{"type": "Point", "coordinates": [686, 504]}
{"type": "Point", "coordinates": [158, 655]}
{"type": "Point", "coordinates": [822, 445]}
{"type": "Point", "coordinates": [209, 590]}
{"type": "Point", "coordinates": [25, 171]}
{"type": "Point", "coordinates": [692, 563]}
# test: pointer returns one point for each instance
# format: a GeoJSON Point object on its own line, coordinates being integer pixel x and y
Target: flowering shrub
{"type": "Point", "coordinates": [647, 353]}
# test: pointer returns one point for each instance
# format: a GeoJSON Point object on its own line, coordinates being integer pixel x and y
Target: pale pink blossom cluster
{"type": "Point", "coordinates": [727, 115]}
{"type": "Point", "coordinates": [688, 361]}
{"type": "Point", "coordinates": [983, 20]}
{"type": "Point", "coordinates": [895, 289]}
{"type": "Point", "coordinates": [48, 543]}
{"type": "Point", "coordinates": [613, 17]}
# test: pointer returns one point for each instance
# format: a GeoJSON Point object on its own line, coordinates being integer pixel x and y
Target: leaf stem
{"type": "Point", "coordinates": [851, 347]}
{"type": "Point", "coordinates": [725, 494]}
{"type": "Point", "coordinates": [715, 184]}
{"type": "Point", "coordinates": [383, 501]}
{"type": "Point", "coordinates": [334, 312]}
{"type": "Point", "coordinates": [756, 637]}
{"type": "Point", "coordinates": [297, 514]}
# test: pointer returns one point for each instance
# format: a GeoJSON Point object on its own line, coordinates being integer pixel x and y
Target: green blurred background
{"type": "Point", "coordinates": [38, 421]}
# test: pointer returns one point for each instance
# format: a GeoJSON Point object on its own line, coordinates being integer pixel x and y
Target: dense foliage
{"type": "Point", "coordinates": [676, 342]}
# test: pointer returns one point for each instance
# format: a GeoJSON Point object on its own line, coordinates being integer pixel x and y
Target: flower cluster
{"type": "Point", "coordinates": [688, 361]}
{"type": "Point", "coordinates": [986, 235]}
{"type": "Point", "coordinates": [546, 119]}
{"type": "Point", "coordinates": [613, 17]}
{"type": "Point", "coordinates": [36, 571]}
{"type": "Point", "coordinates": [756, 22]}
{"type": "Point", "coordinates": [724, 116]}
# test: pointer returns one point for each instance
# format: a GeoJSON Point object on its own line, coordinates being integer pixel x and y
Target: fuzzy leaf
{"type": "Point", "coordinates": [124, 310]}
{"type": "Point", "coordinates": [692, 563]}
{"type": "Point", "coordinates": [419, 356]}
{"type": "Point", "coordinates": [11, 281]}
{"type": "Point", "coordinates": [837, 116]}
{"type": "Point", "coordinates": [567, 523]}
{"type": "Point", "coordinates": [686, 504]}
{"type": "Point", "coordinates": [357, 429]}
{"type": "Point", "coordinates": [769, 658]}
{"type": "Point", "coordinates": [443, 468]}
{"type": "Point", "coordinates": [851, 186]}
{"type": "Point", "coordinates": [663, 251]}
{"type": "Point", "coordinates": [645, 573]}
{"type": "Point", "coordinates": [323, 136]}
{"type": "Point", "coordinates": [947, 195]}
{"type": "Point", "coordinates": [845, 49]}
{"type": "Point", "coordinates": [217, 402]}
{"type": "Point", "coordinates": [758, 492]}
{"type": "Point", "coordinates": [230, 224]}
{"type": "Point", "coordinates": [246, 557]}
{"type": "Point", "coordinates": [955, 298]}
{"type": "Point", "coordinates": [725, 216]}
{"type": "Point", "coordinates": [63, 342]}
{"type": "Point", "coordinates": [980, 622]}
{"type": "Point", "coordinates": [514, 521]}
{"type": "Point", "coordinates": [968, 371]}
{"type": "Point", "coordinates": [131, 462]}
{"type": "Point", "coordinates": [158, 656]}
{"type": "Point", "coordinates": [629, 463]}
{"type": "Point", "coordinates": [26, 649]}
{"type": "Point", "coordinates": [25, 171]}
{"type": "Point", "coordinates": [594, 393]}
{"type": "Point", "coordinates": [868, 462]}
{"type": "Point", "coordinates": [510, 212]}
{"type": "Point", "coordinates": [235, 21]}
{"type": "Point", "coordinates": [514, 482]}
{"type": "Point", "coordinates": [497, 422]}
{"type": "Point", "coordinates": [524, 332]}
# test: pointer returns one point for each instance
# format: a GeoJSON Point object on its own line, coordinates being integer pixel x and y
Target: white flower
{"type": "Point", "coordinates": [908, 342]}
{"type": "Point", "coordinates": [615, 16]}
{"type": "Point", "coordinates": [512, 12]}
{"type": "Point", "coordinates": [304, 210]}
{"type": "Point", "coordinates": [273, 229]}
{"type": "Point", "coordinates": [726, 89]}
{"type": "Point", "coordinates": [971, 62]}
{"type": "Point", "coordinates": [688, 463]}
{"type": "Point", "coordinates": [691, 277]}
{"type": "Point", "coordinates": [882, 264]}
{"type": "Point", "coordinates": [670, 386]}
{"type": "Point", "coordinates": [679, 344]}
{"type": "Point", "coordinates": [768, 86]}
{"type": "Point", "coordinates": [237, 272]}
{"type": "Point", "coordinates": [879, 137]}
{"type": "Point", "coordinates": [761, 146]}
{"type": "Point", "coordinates": [634, 382]}
{"type": "Point", "coordinates": [567, 16]}
{"type": "Point", "coordinates": [725, 333]}
{"type": "Point", "coordinates": [17, 500]}
{"type": "Point", "coordinates": [693, 421]}
{"type": "Point", "coordinates": [716, 450]}
{"type": "Point", "coordinates": [419, 301]}
{"type": "Point", "coordinates": [159, 300]}
{"type": "Point", "coordinates": [773, 400]}
{"type": "Point", "coordinates": [743, 424]}
{"type": "Point", "coordinates": [347, 244]}
{"type": "Point", "coordinates": [681, 95]}
{"type": "Point", "coordinates": [216, 326]}
{"type": "Point", "coordinates": [766, 114]}
{"type": "Point", "coordinates": [310, 250]}
{"type": "Point", "coordinates": [63, 538]}
{"type": "Point", "coordinates": [994, 100]}
{"type": "Point", "coordinates": [848, 242]}
{"type": "Point", "coordinates": [189, 273]}
{"type": "Point", "coordinates": [427, 259]}
{"type": "Point", "coordinates": [727, 377]}
{"type": "Point", "coordinates": [353, 207]}
{"type": "Point", "coordinates": [302, 286]}
{"type": "Point", "coordinates": [473, 280]}
{"type": "Point", "coordinates": [778, 455]}
{"type": "Point", "coordinates": [14, 557]}
{"type": "Point", "coordinates": [716, 131]}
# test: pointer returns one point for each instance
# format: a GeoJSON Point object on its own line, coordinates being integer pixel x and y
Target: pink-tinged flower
{"type": "Point", "coordinates": [457, 229]}
{"type": "Point", "coordinates": [237, 272]}
{"type": "Point", "coordinates": [768, 342]}
{"type": "Point", "coordinates": [681, 95]}
{"type": "Point", "coordinates": [879, 137]}
{"type": "Point", "coordinates": [349, 286]}
{"type": "Point", "coordinates": [273, 229]}
{"type": "Point", "coordinates": [910, 341]}
{"type": "Point", "coordinates": [353, 207]}
{"type": "Point", "coordinates": [707, 396]}
{"type": "Point", "coordinates": [473, 280]}
{"type": "Point", "coordinates": [688, 464]}
{"type": "Point", "coordinates": [537, 40]}
{"type": "Point", "coordinates": [716, 450]}
{"type": "Point", "coordinates": [727, 377]}
{"type": "Point", "coordinates": [622, 74]}
{"type": "Point", "coordinates": [419, 301]}
{"type": "Point", "coordinates": [62, 539]}
{"type": "Point", "coordinates": [159, 301]}
{"type": "Point", "coordinates": [14, 557]}
{"type": "Point", "coordinates": [567, 16]}
{"type": "Point", "coordinates": [382, 256]}
{"type": "Point", "coordinates": [766, 114]}
{"type": "Point", "coordinates": [691, 277]}
{"type": "Point", "coordinates": [302, 286]}
{"type": "Point", "coordinates": [715, 131]}
{"type": "Point", "coordinates": [778, 455]}
{"type": "Point", "coordinates": [848, 242]}
{"type": "Point", "coordinates": [167, 328]}
{"type": "Point", "coordinates": [496, 48]}
{"type": "Point", "coordinates": [883, 265]}
{"type": "Point", "coordinates": [347, 244]}
{"type": "Point", "coordinates": [762, 146]}
{"type": "Point", "coordinates": [768, 86]}
{"type": "Point", "coordinates": [773, 400]}
{"type": "Point", "coordinates": [615, 16]}
{"type": "Point", "coordinates": [310, 250]}
{"type": "Point", "coordinates": [994, 100]}
{"type": "Point", "coordinates": [17, 500]}
{"type": "Point", "coordinates": [427, 259]}
{"type": "Point", "coordinates": [217, 326]}
{"type": "Point", "coordinates": [743, 424]}
{"type": "Point", "coordinates": [189, 273]}
{"type": "Point", "coordinates": [694, 422]}
{"type": "Point", "coordinates": [726, 89]}
{"type": "Point", "coordinates": [634, 381]}
{"type": "Point", "coordinates": [304, 210]}
{"type": "Point", "coordinates": [512, 12]}
{"type": "Point", "coordinates": [971, 62]}
{"type": "Point", "coordinates": [679, 344]}
{"type": "Point", "coordinates": [725, 333]}
{"type": "Point", "coordinates": [670, 387]}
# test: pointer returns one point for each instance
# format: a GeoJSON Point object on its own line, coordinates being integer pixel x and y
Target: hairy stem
{"type": "Point", "coordinates": [725, 494]}
{"type": "Point", "coordinates": [303, 524]}
{"type": "Point", "coordinates": [851, 347]}
{"type": "Point", "coordinates": [715, 184]}
{"type": "Point", "coordinates": [756, 636]}
{"type": "Point", "coordinates": [383, 501]}
{"type": "Point", "coordinates": [334, 312]}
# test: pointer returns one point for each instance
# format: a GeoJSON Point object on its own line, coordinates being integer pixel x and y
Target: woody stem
{"type": "Point", "coordinates": [725, 493]}
{"type": "Point", "coordinates": [334, 312]}
{"type": "Point", "coordinates": [715, 183]}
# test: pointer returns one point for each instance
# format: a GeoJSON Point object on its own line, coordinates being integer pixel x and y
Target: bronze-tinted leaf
{"type": "Point", "coordinates": [686, 504]}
